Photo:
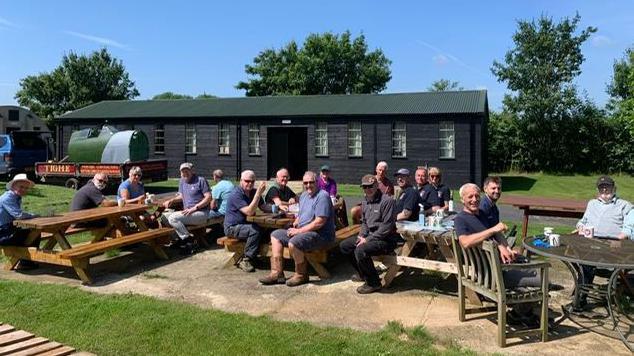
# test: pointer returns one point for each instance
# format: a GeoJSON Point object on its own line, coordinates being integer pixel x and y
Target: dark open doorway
{"type": "Point", "coordinates": [287, 147]}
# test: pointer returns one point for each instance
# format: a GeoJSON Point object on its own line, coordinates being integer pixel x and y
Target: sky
{"type": "Point", "coordinates": [195, 47]}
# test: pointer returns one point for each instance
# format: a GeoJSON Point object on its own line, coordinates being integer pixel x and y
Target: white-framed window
{"type": "Point", "coordinates": [399, 140]}
{"type": "Point", "coordinates": [190, 138]}
{"type": "Point", "coordinates": [321, 139]}
{"type": "Point", "coordinates": [447, 140]}
{"type": "Point", "coordinates": [159, 139]}
{"type": "Point", "coordinates": [354, 139]}
{"type": "Point", "coordinates": [223, 139]}
{"type": "Point", "coordinates": [254, 139]}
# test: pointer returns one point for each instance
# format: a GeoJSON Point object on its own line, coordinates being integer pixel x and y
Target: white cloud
{"type": "Point", "coordinates": [481, 87]}
{"type": "Point", "coordinates": [440, 59]}
{"type": "Point", "coordinates": [96, 39]}
{"type": "Point", "coordinates": [601, 41]}
{"type": "Point", "coordinates": [6, 23]}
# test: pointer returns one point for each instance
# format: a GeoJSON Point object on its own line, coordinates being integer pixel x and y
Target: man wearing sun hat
{"type": "Point", "coordinates": [376, 237]}
{"type": "Point", "coordinates": [10, 210]}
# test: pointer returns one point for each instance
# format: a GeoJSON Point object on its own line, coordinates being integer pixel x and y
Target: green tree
{"type": "Point", "coordinates": [444, 85]}
{"type": "Point", "coordinates": [326, 64]}
{"type": "Point", "coordinates": [621, 90]}
{"type": "Point", "coordinates": [168, 95]}
{"type": "Point", "coordinates": [539, 71]}
{"type": "Point", "coordinates": [622, 85]}
{"type": "Point", "coordinates": [78, 81]}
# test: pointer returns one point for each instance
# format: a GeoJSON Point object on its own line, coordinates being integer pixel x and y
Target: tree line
{"type": "Point", "coordinates": [545, 123]}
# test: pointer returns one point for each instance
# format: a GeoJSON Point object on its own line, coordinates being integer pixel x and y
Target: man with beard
{"type": "Point", "coordinates": [90, 196]}
{"type": "Point", "coordinates": [488, 208]}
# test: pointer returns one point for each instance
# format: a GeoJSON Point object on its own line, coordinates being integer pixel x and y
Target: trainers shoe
{"type": "Point", "coordinates": [26, 265]}
{"type": "Point", "coordinates": [356, 278]}
{"type": "Point", "coordinates": [367, 289]}
{"type": "Point", "coordinates": [245, 265]}
{"type": "Point", "coordinates": [187, 248]}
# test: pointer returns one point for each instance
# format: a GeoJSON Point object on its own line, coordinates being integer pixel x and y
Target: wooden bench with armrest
{"type": "Point", "coordinates": [316, 259]}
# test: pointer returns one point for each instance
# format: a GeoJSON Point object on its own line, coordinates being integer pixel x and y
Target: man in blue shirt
{"type": "Point", "coordinates": [437, 195]}
{"type": "Point", "coordinates": [243, 201]}
{"type": "Point", "coordinates": [219, 194]}
{"type": "Point", "coordinates": [196, 196]}
{"type": "Point", "coordinates": [313, 229]}
{"type": "Point", "coordinates": [488, 207]}
{"type": "Point", "coordinates": [10, 210]}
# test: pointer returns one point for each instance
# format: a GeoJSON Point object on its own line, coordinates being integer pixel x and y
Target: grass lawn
{"type": "Point", "coordinates": [137, 325]}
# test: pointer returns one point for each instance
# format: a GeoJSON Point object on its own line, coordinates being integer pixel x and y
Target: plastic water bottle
{"type": "Point", "coordinates": [421, 215]}
{"type": "Point", "coordinates": [450, 201]}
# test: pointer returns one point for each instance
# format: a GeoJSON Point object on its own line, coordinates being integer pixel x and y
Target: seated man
{"type": "Point", "coordinates": [385, 185]}
{"type": "Point", "coordinates": [280, 193]}
{"type": "Point", "coordinates": [132, 190]}
{"type": "Point", "coordinates": [471, 229]}
{"type": "Point", "coordinates": [90, 196]}
{"type": "Point", "coordinates": [10, 210]}
{"type": "Point", "coordinates": [437, 195]}
{"type": "Point", "coordinates": [488, 204]}
{"type": "Point", "coordinates": [407, 207]}
{"type": "Point", "coordinates": [313, 229]}
{"type": "Point", "coordinates": [420, 177]}
{"type": "Point", "coordinates": [606, 214]}
{"type": "Point", "coordinates": [242, 202]}
{"type": "Point", "coordinates": [196, 196]}
{"type": "Point", "coordinates": [219, 194]}
{"type": "Point", "coordinates": [628, 225]}
{"type": "Point", "coordinates": [326, 183]}
{"type": "Point", "coordinates": [377, 235]}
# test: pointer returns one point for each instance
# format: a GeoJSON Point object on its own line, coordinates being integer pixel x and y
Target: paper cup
{"type": "Point", "coordinates": [121, 203]}
{"type": "Point", "coordinates": [553, 240]}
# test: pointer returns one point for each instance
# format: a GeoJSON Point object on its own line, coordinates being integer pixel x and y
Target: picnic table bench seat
{"type": "Point", "coordinates": [19, 342]}
{"type": "Point", "coordinates": [316, 258]}
{"type": "Point", "coordinates": [200, 231]}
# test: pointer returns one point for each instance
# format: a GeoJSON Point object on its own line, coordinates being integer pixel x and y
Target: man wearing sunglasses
{"type": "Point", "coordinates": [313, 229]}
{"type": "Point", "coordinates": [436, 195]}
{"type": "Point", "coordinates": [243, 201]}
{"type": "Point", "coordinates": [376, 237]}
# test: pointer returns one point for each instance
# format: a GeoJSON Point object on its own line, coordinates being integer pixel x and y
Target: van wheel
{"type": "Point", "coordinates": [72, 183]}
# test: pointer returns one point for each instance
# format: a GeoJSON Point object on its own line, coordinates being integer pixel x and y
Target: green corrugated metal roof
{"type": "Point", "coordinates": [464, 102]}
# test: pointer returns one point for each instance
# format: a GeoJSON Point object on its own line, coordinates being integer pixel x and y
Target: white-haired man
{"type": "Point", "coordinates": [243, 201]}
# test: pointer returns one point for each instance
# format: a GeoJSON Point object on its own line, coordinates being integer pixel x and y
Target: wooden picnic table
{"type": "Point", "coordinates": [439, 256]}
{"type": "Point", "coordinates": [271, 221]}
{"type": "Point", "coordinates": [56, 229]}
{"type": "Point", "coordinates": [538, 206]}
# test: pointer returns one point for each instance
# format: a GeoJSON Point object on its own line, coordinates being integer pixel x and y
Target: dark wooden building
{"type": "Point", "coordinates": [351, 133]}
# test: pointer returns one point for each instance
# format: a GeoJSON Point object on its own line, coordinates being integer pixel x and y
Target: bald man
{"type": "Point", "coordinates": [280, 193]}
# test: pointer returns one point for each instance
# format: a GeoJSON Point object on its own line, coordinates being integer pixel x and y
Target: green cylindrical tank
{"type": "Point", "coordinates": [108, 146]}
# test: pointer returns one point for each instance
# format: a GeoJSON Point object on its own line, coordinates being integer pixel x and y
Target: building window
{"type": "Point", "coordinates": [159, 139]}
{"type": "Point", "coordinates": [14, 115]}
{"type": "Point", "coordinates": [447, 138]}
{"type": "Point", "coordinates": [223, 139]}
{"type": "Point", "coordinates": [190, 138]}
{"type": "Point", "coordinates": [254, 139]}
{"type": "Point", "coordinates": [399, 140]}
{"type": "Point", "coordinates": [321, 139]}
{"type": "Point", "coordinates": [354, 139]}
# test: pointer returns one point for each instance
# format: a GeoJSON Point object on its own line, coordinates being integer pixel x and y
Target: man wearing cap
{"type": "Point", "coordinates": [313, 229]}
{"type": "Point", "coordinates": [438, 194]}
{"type": "Point", "coordinates": [325, 182]}
{"type": "Point", "coordinates": [196, 196]}
{"type": "Point", "coordinates": [376, 237]}
{"type": "Point", "coordinates": [606, 214]}
{"type": "Point", "coordinates": [10, 210]}
{"type": "Point", "coordinates": [280, 193]}
{"type": "Point", "coordinates": [407, 207]}
{"type": "Point", "coordinates": [243, 201]}
{"type": "Point", "coordinates": [385, 185]}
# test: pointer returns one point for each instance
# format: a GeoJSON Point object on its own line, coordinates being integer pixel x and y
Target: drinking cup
{"type": "Point", "coordinates": [548, 230]}
{"type": "Point", "coordinates": [553, 240]}
{"type": "Point", "coordinates": [274, 209]}
{"type": "Point", "coordinates": [588, 231]}
{"type": "Point", "coordinates": [121, 203]}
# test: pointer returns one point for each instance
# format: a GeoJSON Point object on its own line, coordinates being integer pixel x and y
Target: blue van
{"type": "Point", "coordinates": [19, 151]}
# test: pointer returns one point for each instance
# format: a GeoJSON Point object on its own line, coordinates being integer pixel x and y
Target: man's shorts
{"type": "Point", "coordinates": [307, 241]}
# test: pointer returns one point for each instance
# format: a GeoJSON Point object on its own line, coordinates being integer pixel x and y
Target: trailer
{"type": "Point", "coordinates": [75, 174]}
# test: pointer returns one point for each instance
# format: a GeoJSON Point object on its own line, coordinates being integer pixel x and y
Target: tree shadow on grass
{"type": "Point", "coordinates": [517, 183]}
